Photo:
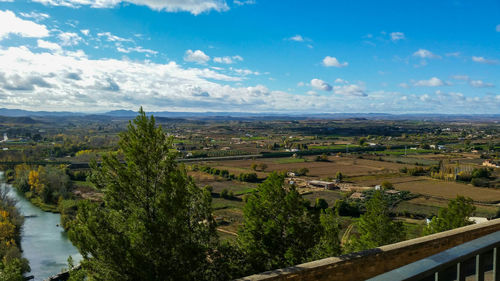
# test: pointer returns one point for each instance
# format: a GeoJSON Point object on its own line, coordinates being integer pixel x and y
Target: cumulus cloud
{"type": "Point", "coordinates": [332, 61]}
{"type": "Point", "coordinates": [433, 82]}
{"type": "Point", "coordinates": [69, 38]}
{"type": "Point", "coordinates": [11, 24]}
{"type": "Point", "coordinates": [480, 84]}
{"type": "Point", "coordinates": [194, 7]}
{"type": "Point", "coordinates": [425, 54]}
{"type": "Point", "coordinates": [197, 56]}
{"type": "Point", "coordinates": [350, 90]}
{"type": "Point", "coordinates": [396, 36]}
{"type": "Point", "coordinates": [227, 59]}
{"type": "Point", "coordinates": [484, 60]}
{"type": "Point", "coordinates": [320, 85]}
{"type": "Point", "coordinates": [297, 38]}
{"type": "Point", "coordinates": [48, 45]}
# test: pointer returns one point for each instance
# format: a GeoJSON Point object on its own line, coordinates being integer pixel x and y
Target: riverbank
{"type": "Point", "coordinates": [44, 242]}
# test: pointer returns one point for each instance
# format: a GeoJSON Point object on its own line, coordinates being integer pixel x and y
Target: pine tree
{"type": "Point", "coordinates": [278, 230]}
{"type": "Point", "coordinates": [329, 241]}
{"type": "Point", "coordinates": [455, 215]}
{"type": "Point", "coordinates": [375, 227]}
{"type": "Point", "coordinates": [154, 223]}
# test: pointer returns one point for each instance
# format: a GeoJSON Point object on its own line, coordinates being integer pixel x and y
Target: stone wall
{"type": "Point", "coordinates": [367, 264]}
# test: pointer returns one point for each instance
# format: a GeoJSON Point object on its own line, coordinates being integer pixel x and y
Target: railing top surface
{"type": "Point", "coordinates": [443, 260]}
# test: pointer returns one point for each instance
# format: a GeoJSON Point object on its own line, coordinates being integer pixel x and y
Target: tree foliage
{"type": "Point", "coordinates": [329, 240]}
{"type": "Point", "coordinates": [154, 223]}
{"type": "Point", "coordinates": [455, 215]}
{"type": "Point", "coordinates": [278, 230]}
{"type": "Point", "coordinates": [376, 227]}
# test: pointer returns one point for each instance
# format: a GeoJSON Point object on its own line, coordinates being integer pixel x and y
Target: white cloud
{"type": "Point", "coordinates": [301, 84]}
{"type": "Point", "coordinates": [350, 90]}
{"type": "Point", "coordinates": [395, 36]}
{"type": "Point", "coordinates": [433, 82]}
{"type": "Point", "coordinates": [425, 97]}
{"type": "Point", "coordinates": [35, 15]}
{"type": "Point", "coordinates": [195, 7]}
{"type": "Point", "coordinates": [69, 38]}
{"type": "Point", "coordinates": [11, 24]}
{"type": "Point", "coordinates": [197, 56]}
{"type": "Point", "coordinates": [484, 60]}
{"type": "Point", "coordinates": [340, 81]}
{"type": "Point", "coordinates": [48, 45]}
{"type": "Point", "coordinates": [85, 32]}
{"type": "Point", "coordinates": [227, 59]}
{"type": "Point", "coordinates": [320, 85]}
{"type": "Point", "coordinates": [137, 49]}
{"type": "Point", "coordinates": [404, 85]}
{"type": "Point", "coordinates": [332, 61]}
{"type": "Point", "coordinates": [297, 38]}
{"type": "Point", "coordinates": [480, 84]}
{"type": "Point", "coordinates": [244, 72]}
{"type": "Point", "coordinates": [246, 2]}
{"type": "Point", "coordinates": [312, 93]}
{"type": "Point", "coordinates": [425, 54]}
{"type": "Point", "coordinates": [112, 38]}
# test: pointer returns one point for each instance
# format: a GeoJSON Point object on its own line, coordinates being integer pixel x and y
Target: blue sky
{"type": "Point", "coordinates": [251, 55]}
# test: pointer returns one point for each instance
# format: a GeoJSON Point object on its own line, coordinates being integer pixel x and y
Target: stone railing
{"type": "Point", "coordinates": [370, 263]}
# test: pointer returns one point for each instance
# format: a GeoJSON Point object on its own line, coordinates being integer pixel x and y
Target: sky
{"type": "Point", "coordinates": [267, 56]}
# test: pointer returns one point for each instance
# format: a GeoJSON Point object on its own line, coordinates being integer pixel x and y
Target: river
{"type": "Point", "coordinates": [44, 243]}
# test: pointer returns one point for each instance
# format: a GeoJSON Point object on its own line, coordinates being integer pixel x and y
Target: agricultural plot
{"type": "Point", "coordinates": [329, 195]}
{"type": "Point", "coordinates": [347, 165]}
{"type": "Point", "coordinates": [449, 190]}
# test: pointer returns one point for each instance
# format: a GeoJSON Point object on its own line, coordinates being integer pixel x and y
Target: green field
{"type": "Point", "coordinates": [289, 160]}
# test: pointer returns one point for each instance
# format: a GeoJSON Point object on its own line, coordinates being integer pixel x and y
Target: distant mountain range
{"type": "Point", "coordinates": [227, 115]}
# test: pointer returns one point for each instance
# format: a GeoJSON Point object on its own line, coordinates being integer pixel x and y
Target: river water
{"type": "Point", "coordinates": [44, 243]}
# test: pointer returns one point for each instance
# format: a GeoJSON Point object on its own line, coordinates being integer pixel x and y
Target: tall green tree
{"type": "Point", "coordinates": [329, 240]}
{"type": "Point", "coordinates": [457, 214]}
{"type": "Point", "coordinates": [154, 223]}
{"type": "Point", "coordinates": [278, 230]}
{"type": "Point", "coordinates": [376, 227]}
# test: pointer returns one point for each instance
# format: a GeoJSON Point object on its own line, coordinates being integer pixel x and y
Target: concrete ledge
{"type": "Point", "coordinates": [370, 263]}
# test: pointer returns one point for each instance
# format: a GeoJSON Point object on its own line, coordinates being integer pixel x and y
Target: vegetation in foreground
{"type": "Point", "coordinates": [12, 264]}
{"type": "Point", "coordinates": [155, 224]}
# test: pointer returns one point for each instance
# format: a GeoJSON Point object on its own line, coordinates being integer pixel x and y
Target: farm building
{"type": "Point", "coordinates": [323, 184]}
{"type": "Point", "coordinates": [489, 163]}
{"type": "Point", "coordinates": [357, 195]}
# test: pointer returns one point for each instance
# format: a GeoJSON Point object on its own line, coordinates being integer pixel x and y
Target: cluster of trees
{"type": "Point", "coordinates": [322, 158]}
{"type": "Point", "coordinates": [416, 171]}
{"type": "Point", "coordinates": [12, 264]}
{"type": "Point", "coordinates": [49, 183]}
{"type": "Point", "coordinates": [260, 166]}
{"type": "Point", "coordinates": [475, 176]}
{"type": "Point", "coordinates": [246, 177]}
{"type": "Point", "coordinates": [155, 224]}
